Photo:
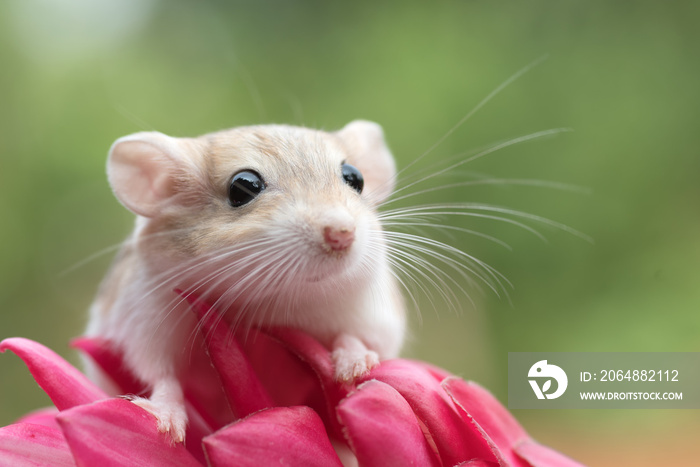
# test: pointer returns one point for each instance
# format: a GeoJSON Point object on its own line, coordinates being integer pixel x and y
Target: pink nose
{"type": "Point", "coordinates": [338, 239]}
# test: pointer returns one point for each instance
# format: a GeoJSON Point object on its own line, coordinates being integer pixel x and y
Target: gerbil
{"type": "Point", "coordinates": [276, 224]}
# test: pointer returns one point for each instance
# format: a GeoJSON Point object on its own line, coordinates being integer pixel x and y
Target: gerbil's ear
{"type": "Point", "coordinates": [146, 170]}
{"type": "Point", "coordinates": [368, 151]}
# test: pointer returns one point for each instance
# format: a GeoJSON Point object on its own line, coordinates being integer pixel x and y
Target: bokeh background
{"type": "Point", "coordinates": [77, 74]}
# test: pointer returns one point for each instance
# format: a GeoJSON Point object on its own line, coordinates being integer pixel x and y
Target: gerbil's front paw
{"type": "Point", "coordinates": [171, 417]}
{"type": "Point", "coordinates": [352, 358]}
{"type": "Point", "coordinates": [351, 364]}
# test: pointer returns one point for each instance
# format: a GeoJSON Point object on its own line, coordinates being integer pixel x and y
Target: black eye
{"type": "Point", "coordinates": [245, 186]}
{"type": "Point", "coordinates": [353, 177]}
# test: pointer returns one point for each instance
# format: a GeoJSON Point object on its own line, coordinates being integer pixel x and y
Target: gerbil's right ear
{"type": "Point", "coordinates": [146, 170]}
{"type": "Point", "coordinates": [367, 150]}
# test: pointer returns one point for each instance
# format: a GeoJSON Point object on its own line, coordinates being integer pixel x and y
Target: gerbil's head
{"type": "Point", "coordinates": [258, 211]}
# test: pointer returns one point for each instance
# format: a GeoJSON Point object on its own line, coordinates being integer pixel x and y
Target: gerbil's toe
{"type": "Point", "coordinates": [171, 418]}
{"type": "Point", "coordinates": [371, 359]}
{"type": "Point", "coordinates": [351, 365]}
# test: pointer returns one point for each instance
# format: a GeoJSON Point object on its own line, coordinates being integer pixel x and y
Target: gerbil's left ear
{"type": "Point", "coordinates": [367, 150]}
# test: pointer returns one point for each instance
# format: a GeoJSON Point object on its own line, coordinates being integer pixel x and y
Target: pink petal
{"type": "Point", "coordinates": [64, 384]}
{"type": "Point", "coordinates": [274, 355]}
{"type": "Point", "coordinates": [288, 379]}
{"type": "Point", "coordinates": [498, 425]}
{"type": "Point", "coordinates": [436, 372]}
{"type": "Point", "coordinates": [45, 417]}
{"type": "Point", "coordinates": [243, 389]}
{"type": "Point", "coordinates": [541, 456]}
{"type": "Point", "coordinates": [382, 429]}
{"type": "Point", "coordinates": [316, 356]}
{"type": "Point", "coordinates": [116, 432]}
{"type": "Point", "coordinates": [479, 407]}
{"type": "Point", "coordinates": [207, 406]}
{"type": "Point", "coordinates": [26, 444]}
{"type": "Point", "coordinates": [278, 436]}
{"type": "Point", "coordinates": [478, 463]}
{"type": "Point", "coordinates": [296, 370]}
{"type": "Point", "coordinates": [204, 391]}
{"type": "Point", "coordinates": [455, 440]}
{"type": "Point", "coordinates": [197, 429]}
{"type": "Point", "coordinates": [111, 362]}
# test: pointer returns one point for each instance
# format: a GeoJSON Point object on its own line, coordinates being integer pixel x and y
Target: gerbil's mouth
{"type": "Point", "coordinates": [332, 265]}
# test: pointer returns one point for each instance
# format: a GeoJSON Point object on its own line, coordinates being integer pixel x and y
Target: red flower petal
{"type": "Point", "coordinates": [382, 429]}
{"type": "Point", "coordinates": [496, 424]}
{"type": "Point", "coordinates": [27, 444]}
{"type": "Point", "coordinates": [243, 389]}
{"type": "Point", "coordinates": [541, 456]}
{"type": "Point", "coordinates": [45, 416]}
{"type": "Point", "coordinates": [478, 463]}
{"type": "Point", "coordinates": [197, 429]}
{"type": "Point", "coordinates": [278, 436]}
{"type": "Point", "coordinates": [288, 379]}
{"type": "Point", "coordinates": [311, 352]}
{"type": "Point", "coordinates": [241, 382]}
{"type": "Point", "coordinates": [206, 407]}
{"type": "Point", "coordinates": [116, 432]}
{"type": "Point", "coordinates": [204, 391]}
{"type": "Point", "coordinates": [455, 440]}
{"type": "Point", "coordinates": [111, 362]}
{"type": "Point", "coordinates": [501, 427]}
{"type": "Point", "coordinates": [64, 384]}
{"type": "Point", "coordinates": [437, 372]}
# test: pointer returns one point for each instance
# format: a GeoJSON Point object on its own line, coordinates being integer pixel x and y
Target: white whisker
{"type": "Point", "coordinates": [496, 181]}
{"type": "Point", "coordinates": [474, 110]}
{"type": "Point", "coordinates": [449, 227]}
{"type": "Point", "coordinates": [479, 215]}
{"type": "Point", "coordinates": [485, 152]}
{"type": "Point", "coordinates": [450, 262]}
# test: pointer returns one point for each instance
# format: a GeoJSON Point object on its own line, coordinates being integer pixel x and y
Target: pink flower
{"type": "Point", "coordinates": [269, 399]}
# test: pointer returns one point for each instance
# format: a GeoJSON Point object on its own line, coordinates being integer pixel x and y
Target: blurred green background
{"type": "Point", "coordinates": [76, 75]}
